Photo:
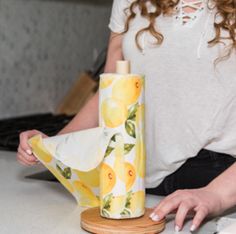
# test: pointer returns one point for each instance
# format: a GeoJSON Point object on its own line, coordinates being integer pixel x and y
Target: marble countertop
{"type": "Point", "coordinates": [34, 207]}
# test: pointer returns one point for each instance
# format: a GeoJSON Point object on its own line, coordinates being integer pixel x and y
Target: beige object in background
{"type": "Point", "coordinates": [82, 89]}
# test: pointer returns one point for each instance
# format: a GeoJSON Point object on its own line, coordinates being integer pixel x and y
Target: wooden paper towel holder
{"type": "Point", "coordinates": [92, 222]}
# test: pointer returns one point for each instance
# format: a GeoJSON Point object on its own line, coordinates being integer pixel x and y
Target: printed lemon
{"type": "Point", "coordinates": [140, 115]}
{"type": "Point", "coordinates": [130, 175]}
{"type": "Point", "coordinates": [113, 112]}
{"type": "Point", "coordinates": [39, 149]}
{"type": "Point", "coordinates": [107, 178]}
{"type": "Point", "coordinates": [119, 164]}
{"type": "Point", "coordinates": [90, 178]}
{"type": "Point", "coordinates": [140, 157]}
{"type": "Point", "coordinates": [87, 197]}
{"type": "Point", "coordinates": [137, 203]}
{"type": "Point", "coordinates": [127, 90]}
{"type": "Point", "coordinates": [66, 183]}
{"type": "Point", "coordinates": [141, 118]}
{"type": "Point", "coordinates": [117, 205]}
{"type": "Point", "coordinates": [106, 82]}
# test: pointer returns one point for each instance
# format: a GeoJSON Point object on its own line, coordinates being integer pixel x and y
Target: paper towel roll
{"type": "Point", "coordinates": [121, 109]}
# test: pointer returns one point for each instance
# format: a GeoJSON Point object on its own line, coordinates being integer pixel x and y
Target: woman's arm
{"type": "Point", "coordinates": [88, 116]}
{"type": "Point", "coordinates": [225, 186]}
{"type": "Point", "coordinates": [216, 197]}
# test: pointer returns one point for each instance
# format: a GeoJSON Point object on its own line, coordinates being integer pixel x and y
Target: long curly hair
{"type": "Point", "coordinates": [224, 8]}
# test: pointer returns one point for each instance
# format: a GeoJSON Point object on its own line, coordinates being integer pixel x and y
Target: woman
{"type": "Point", "coordinates": [186, 49]}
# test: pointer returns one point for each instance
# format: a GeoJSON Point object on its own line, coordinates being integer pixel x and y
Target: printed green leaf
{"type": "Point", "coordinates": [132, 112]}
{"type": "Point", "coordinates": [105, 213]}
{"type": "Point", "coordinates": [125, 213]}
{"type": "Point", "coordinates": [128, 199]}
{"type": "Point", "coordinates": [130, 128]}
{"type": "Point", "coordinates": [107, 202]}
{"type": "Point", "coordinates": [66, 173]}
{"type": "Point", "coordinates": [109, 148]}
{"type": "Point", "coordinates": [108, 151]}
{"type": "Point", "coordinates": [128, 148]}
{"type": "Point", "coordinates": [113, 138]}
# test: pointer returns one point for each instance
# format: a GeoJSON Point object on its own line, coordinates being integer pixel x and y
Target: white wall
{"type": "Point", "coordinates": [44, 45]}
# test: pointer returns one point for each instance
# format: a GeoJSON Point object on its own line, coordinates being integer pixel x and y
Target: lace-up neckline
{"type": "Point", "coordinates": [188, 11]}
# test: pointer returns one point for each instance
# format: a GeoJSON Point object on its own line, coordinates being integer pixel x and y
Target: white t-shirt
{"type": "Point", "coordinates": [190, 104]}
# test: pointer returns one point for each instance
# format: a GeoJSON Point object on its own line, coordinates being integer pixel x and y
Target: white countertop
{"type": "Point", "coordinates": [34, 207]}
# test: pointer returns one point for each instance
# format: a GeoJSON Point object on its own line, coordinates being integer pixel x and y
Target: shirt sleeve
{"type": "Point", "coordinates": [224, 140]}
{"type": "Point", "coordinates": [118, 15]}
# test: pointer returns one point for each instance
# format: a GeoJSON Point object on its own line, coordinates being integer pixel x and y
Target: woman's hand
{"type": "Point", "coordinates": [24, 152]}
{"type": "Point", "coordinates": [202, 202]}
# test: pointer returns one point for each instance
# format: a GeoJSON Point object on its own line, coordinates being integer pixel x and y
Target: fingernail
{"type": "Point", "coordinates": [193, 228]}
{"type": "Point", "coordinates": [29, 152]}
{"type": "Point", "coordinates": [155, 218]}
{"type": "Point", "coordinates": [151, 215]}
{"type": "Point", "coordinates": [177, 229]}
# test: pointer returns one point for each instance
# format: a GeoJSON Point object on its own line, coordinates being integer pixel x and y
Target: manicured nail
{"type": "Point", "coordinates": [151, 215]}
{"type": "Point", "coordinates": [155, 218]}
{"type": "Point", "coordinates": [177, 229]}
{"type": "Point", "coordinates": [193, 228]}
{"type": "Point", "coordinates": [29, 152]}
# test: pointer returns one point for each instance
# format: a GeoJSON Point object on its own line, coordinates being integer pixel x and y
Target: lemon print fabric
{"type": "Point", "coordinates": [91, 178]}
{"type": "Point", "coordinates": [114, 112]}
{"type": "Point", "coordinates": [107, 178]}
{"type": "Point", "coordinates": [113, 206]}
{"type": "Point", "coordinates": [62, 177]}
{"type": "Point", "coordinates": [86, 195]}
{"type": "Point", "coordinates": [136, 201]}
{"type": "Point", "coordinates": [140, 158]}
{"type": "Point", "coordinates": [127, 90]}
{"type": "Point", "coordinates": [121, 111]}
{"type": "Point", "coordinates": [39, 150]}
{"type": "Point", "coordinates": [84, 186]}
{"type": "Point", "coordinates": [106, 82]}
{"type": "Point", "coordinates": [130, 174]}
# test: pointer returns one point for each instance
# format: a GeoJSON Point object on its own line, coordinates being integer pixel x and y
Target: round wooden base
{"type": "Point", "coordinates": [91, 221]}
